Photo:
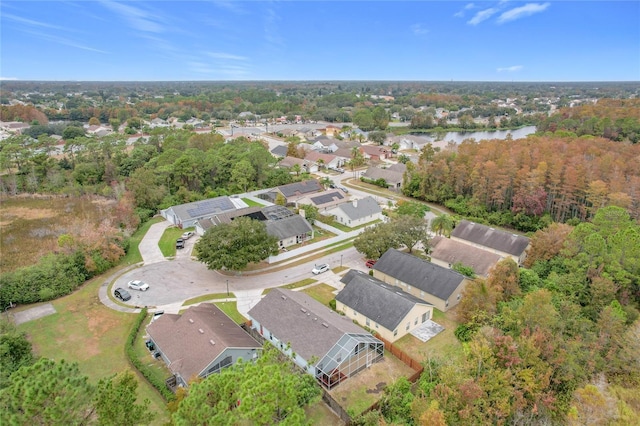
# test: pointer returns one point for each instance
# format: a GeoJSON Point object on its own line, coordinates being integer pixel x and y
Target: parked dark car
{"type": "Point", "coordinates": [180, 243]}
{"type": "Point", "coordinates": [122, 294]}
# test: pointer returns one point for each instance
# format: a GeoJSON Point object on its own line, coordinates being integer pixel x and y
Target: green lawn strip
{"type": "Point", "coordinates": [85, 331]}
{"type": "Point", "coordinates": [133, 255]}
{"type": "Point", "coordinates": [251, 202]}
{"type": "Point", "coordinates": [340, 226]}
{"type": "Point", "coordinates": [323, 293]}
{"type": "Point", "coordinates": [231, 309]}
{"type": "Point", "coordinates": [444, 345]}
{"type": "Point", "coordinates": [292, 286]}
{"type": "Point", "coordinates": [207, 297]}
{"type": "Point", "coordinates": [167, 242]}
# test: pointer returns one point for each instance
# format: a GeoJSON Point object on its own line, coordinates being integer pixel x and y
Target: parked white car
{"type": "Point", "coordinates": [138, 285]}
{"type": "Point", "coordinates": [318, 269]}
{"type": "Point", "coordinates": [188, 235]}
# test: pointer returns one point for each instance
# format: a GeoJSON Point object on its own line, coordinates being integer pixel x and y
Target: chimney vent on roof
{"type": "Point", "coordinates": [201, 331]}
{"type": "Point", "coordinates": [212, 342]}
{"type": "Point", "coordinates": [324, 324]}
{"type": "Point", "coordinates": [284, 297]}
{"type": "Point", "coordinates": [190, 320]}
{"type": "Point", "coordinates": [303, 310]}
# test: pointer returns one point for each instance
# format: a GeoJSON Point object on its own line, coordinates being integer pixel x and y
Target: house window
{"type": "Point", "coordinates": [408, 288]}
{"type": "Point", "coordinates": [376, 325]}
{"type": "Point", "coordinates": [416, 321]}
{"type": "Point", "coordinates": [368, 322]}
{"type": "Point", "coordinates": [408, 325]}
{"type": "Point", "coordinates": [422, 294]}
{"type": "Point", "coordinates": [446, 305]}
{"type": "Point", "coordinates": [424, 317]}
{"type": "Point", "coordinates": [458, 298]}
{"type": "Point", "coordinates": [355, 314]}
{"type": "Point", "coordinates": [395, 332]}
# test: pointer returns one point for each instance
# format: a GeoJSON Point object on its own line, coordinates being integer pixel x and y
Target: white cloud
{"type": "Point", "coordinates": [8, 78]}
{"type": "Point", "coordinates": [483, 15]}
{"type": "Point", "coordinates": [31, 22]}
{"type": "Point", "coordinates": [513, 68]}
{"type": "Point", "coordinates": [460, 13]}
{"type": "Point", "coordinates": [137, 18]}
{"type": "Point", "coordinates": [522, 11]}
{"type": "Point", "coordinates": [64, 41]}
{"type": "Point", "coordinates": [418, 29]}
{"type": "Point", "coordinates": [229, 56]}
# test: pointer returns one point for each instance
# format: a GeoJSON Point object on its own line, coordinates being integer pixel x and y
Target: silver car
{"type": "Point", "coordinates": [138, 285]}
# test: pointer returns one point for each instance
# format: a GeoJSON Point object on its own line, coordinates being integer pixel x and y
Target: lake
{"type": "Point", "coordinates": [458, 137]}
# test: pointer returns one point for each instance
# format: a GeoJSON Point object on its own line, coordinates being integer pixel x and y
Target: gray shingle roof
{"type": "Point", "coordinates": [490, 237]}
{"type": "Point", "coordinates": [422, 274]}
{"type": "Point", "coordinates": [300, 188]}
{"type": "Point", "coordinates": [452, 251]}
{"type": "Point", "coordinates": [204, 208]}
{"type": "Point", "coordinates": [385, 304]}
{"type": "Point", "coordinates": [391, 176]}
{"type": "Point", "coordinates": [357, 209]}
{"type": "Point", "coordinates": [327, 197]}
{"type": "Point", "coordinates": [288, 227]}
{"type": "Point", "coordinates": [297, 319]}
{"type": "Point", "coordinates": [188, 349]}
{"type": "Point", "coordinates": [280, 151]}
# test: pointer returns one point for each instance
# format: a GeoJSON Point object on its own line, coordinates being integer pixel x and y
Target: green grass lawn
{"type": "Point", "coordinates": [444, 345]}
{"type": "Point", "coordinates": [231, 309]}
{"type": "Point", "coordinates": [251, 202]}
{"type": "Point", "coordinates": [323, 293]}
{"type": "Point", "coordinates": [167, 242]}
{"type": "Point", "coordinates": [207, 297]}
{"type": "Point", "coordinates": [85, 331]}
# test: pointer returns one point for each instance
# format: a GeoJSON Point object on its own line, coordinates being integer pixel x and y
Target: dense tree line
{"type": "Point", "coordinates": [615, 119]}
{"type": "Point", "coordinates": [520, 183]}
{"type": "Point", "coordinates": [554, 343]}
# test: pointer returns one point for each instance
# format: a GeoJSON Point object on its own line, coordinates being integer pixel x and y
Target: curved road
{"type": "Point", "coordinates": [174, 281]}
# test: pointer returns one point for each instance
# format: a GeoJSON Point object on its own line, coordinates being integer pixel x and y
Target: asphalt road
{"type": "Point", "coordinates": [174, 281]}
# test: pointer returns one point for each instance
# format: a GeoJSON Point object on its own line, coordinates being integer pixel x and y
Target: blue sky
{"type": "Point", "coordinates": [320, 40]}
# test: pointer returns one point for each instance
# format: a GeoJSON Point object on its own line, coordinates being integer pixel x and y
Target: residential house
{"type": "Point", "coordinates": [375, 152]}
{"type": "Point", "coordinates": [432, 283]}
{"type": "Point", "coordinates": [292, 192]}
{"type": "Point", "coordinates": [306, 166]}
{"type": "Point", "coordinates": [393, 175]}
{"type": "Point", "coordinates": [408, 142]}
{"type": "Point", "coordinates": [280, 151]}
{"type": "Point", "coordinates": [324, 201]}
{"type": "Point", "coordinates": [201, 341]}
{"type": "Point", "coordinates": [385, 309]}
{"type": "Point", "coordinates": [357, 212]}
{"type": "Point", "coordinates": [187, 215]}
{"type": "Point", "coordinates": [323, 161]}
{"type": "Point", "coordinates": [331, 130]}
{"type": "Point", "coordinates": [327, 345]}
{"type": "Point", "coordinates": [503, 243]}
{"type": "Point", "coordinates": [324, 144]}
{"type": "Point", "coordinates": [447, 252]}
{"type": "Point", "coordinates": [289, 228]}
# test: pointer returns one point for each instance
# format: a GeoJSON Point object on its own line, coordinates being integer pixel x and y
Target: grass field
{"type": "Point", "coordinates": [167, 242]}
{"type": "Point", "coordinates": [323, 293]}
{"type": "Point", "coordinates": [85, 331]}
{"type": "Point", "coordinates": [30, 225]}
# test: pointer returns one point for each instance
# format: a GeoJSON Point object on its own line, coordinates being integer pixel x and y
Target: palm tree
{"type": "Point", "coordinates": [442, 224]}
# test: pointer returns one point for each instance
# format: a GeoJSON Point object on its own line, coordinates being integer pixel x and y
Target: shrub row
{"type": "Point", "coordinates": [53, 276]}
{"type": "Point", "coordinates": [139, 365]}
